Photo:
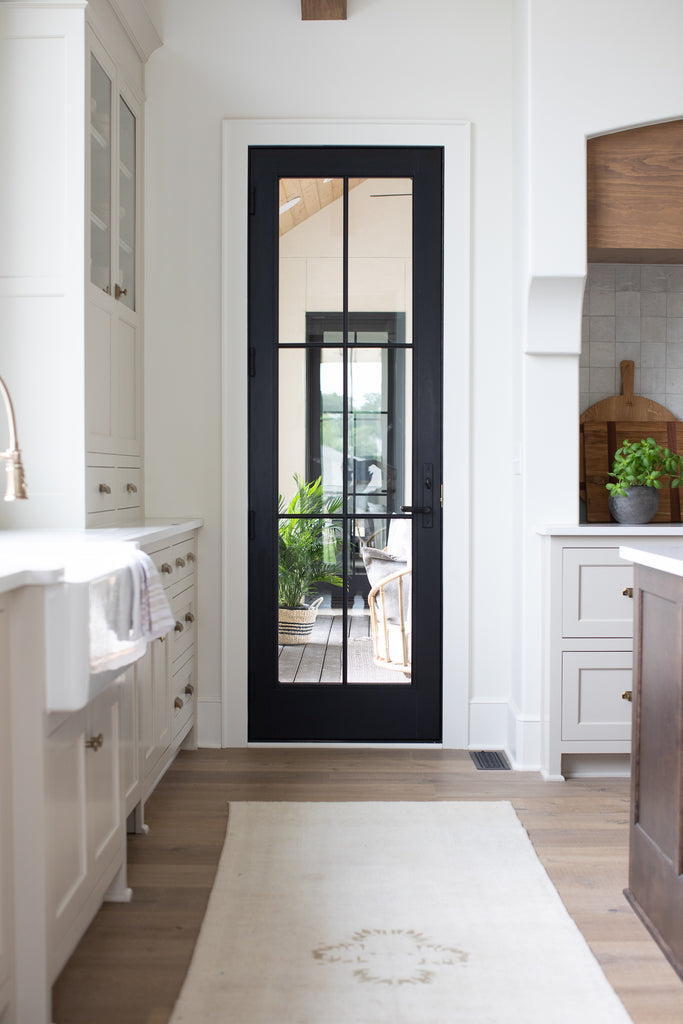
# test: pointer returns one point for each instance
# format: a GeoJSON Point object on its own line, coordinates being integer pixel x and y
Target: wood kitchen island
{"type": "Point", "coordinates": [655, 886]}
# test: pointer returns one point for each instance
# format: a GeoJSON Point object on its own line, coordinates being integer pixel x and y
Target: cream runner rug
{"type": "Point", "coordinates": [388, 913]}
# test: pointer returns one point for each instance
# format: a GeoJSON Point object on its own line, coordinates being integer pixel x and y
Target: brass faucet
{"type": "Point", "coordinates": [16, 482]}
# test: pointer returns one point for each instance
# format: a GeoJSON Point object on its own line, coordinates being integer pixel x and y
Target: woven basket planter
{"type": "Point", "coordinates": [294, 625]}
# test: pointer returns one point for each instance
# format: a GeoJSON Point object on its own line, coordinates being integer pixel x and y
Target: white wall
{"type": "Point", "coordinates": [390, 60]}
{"type": "Point", "coordinates": [534, 79]}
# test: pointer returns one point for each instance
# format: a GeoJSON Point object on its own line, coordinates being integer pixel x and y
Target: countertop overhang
{"type": "Point", "coordinates": [40, 557]}
{"type": "Point", "coordinates": [669, 559]}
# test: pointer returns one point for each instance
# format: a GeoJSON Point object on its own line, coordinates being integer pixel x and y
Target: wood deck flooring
{"type": "Point", "coordinates": [130, 965]}
{"type": "Point", "coordinates": [320, 660]}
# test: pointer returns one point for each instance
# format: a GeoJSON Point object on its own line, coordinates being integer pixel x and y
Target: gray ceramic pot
{"type": "Point", "coordinates": [638, 505]}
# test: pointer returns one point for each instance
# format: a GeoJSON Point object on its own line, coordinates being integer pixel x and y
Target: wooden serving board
{"type": "Point", "coordinates": [605, 426]}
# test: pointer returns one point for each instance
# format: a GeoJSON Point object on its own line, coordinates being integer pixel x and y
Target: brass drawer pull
{"type": "Point", "coordinates": [105, 489]}
{"type": "Point", "coordinates": [166, 568]}
{"type": "Point", "coordinates": [119, 291]}
{"type": "Point", "coordinates": [189, 689]}
{"type": "Point", "coordinates": [178, 627]}
{"type": "Point", "coordinates": [131, 489]}
{"type": "Point", "coordinates": [189, 617]}
{"type": "Point", "coordinates": [178, 703]}
{"type": "Point", "coordinates": [628, 592]}
{"type": "Point", "coordinates": [180, 562]}
{"type": "Point", "coordinates": [95, 742]}
{"type": "Point", "coordinates": [627, 695]}
{"type": "Point", "coordinates": [190, 557]}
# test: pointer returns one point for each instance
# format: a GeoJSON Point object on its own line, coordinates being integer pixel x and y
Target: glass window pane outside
{"type": "Point", "coordinates": [311, 250]}
{"type": "Point", "coordinates": [127, 199]}
{"type": "Point", "coordinates": [380, 247]}
{"type": "Point", "coordinates": [100, 176]}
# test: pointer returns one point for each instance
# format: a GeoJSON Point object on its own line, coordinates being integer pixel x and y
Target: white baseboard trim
{"type": "Point", "coordinates": [524, 740]}
{"type": "Point", "coordinates": [209, 723]}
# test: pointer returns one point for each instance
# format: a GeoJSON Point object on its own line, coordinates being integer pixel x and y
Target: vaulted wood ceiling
{"type": "Point", "coordinates": [313, 194]}
{"type": "Point", "coordinates": [323, 10]}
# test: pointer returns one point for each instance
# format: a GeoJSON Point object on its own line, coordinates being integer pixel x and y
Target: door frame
{"type": "Point", "coordinates": [238, 137]}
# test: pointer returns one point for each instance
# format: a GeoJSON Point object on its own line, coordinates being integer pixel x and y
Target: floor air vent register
{"type": "Point", "coordinates": [490, 760]}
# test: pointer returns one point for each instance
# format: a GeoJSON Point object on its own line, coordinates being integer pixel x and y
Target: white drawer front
{"type": "Point", "coordinates": [592, 685]}
{"type": "Point", "coordinates": [182, 636]}
{"type": "Point", "coordinates": [128, 488]}
{"type": "Point", "coordinates": [593, 599]}
{"type": "Point", "coordinates": [164, 566]}
{"type": "Point", "coordinates": [184, 558]}
{"type": "Point", "coordinates": [100, 488]}
{"type": "Point", "coordinates": [183, 689]}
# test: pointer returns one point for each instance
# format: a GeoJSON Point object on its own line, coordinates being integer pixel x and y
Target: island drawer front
{"type": "Point", "coordinates": [595, 593]}
{"type": "Point", "coordinates": [592, 687]}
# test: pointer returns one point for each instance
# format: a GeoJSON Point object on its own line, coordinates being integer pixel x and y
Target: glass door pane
{"type": "Point", "coordinates": [125, 284]}
{"type": "Point", "coordinates": [100, 176]}
{"type": "Point", "coordinates": [344, 431]}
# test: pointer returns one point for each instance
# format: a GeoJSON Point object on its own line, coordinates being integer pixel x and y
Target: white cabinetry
{"type": "Point", "coordinates": [84, 819]}
{"type": "Point", "coordinates": [588, 654]}
{"type": "Point", "coordinates": [113, 336]}
{"type": "Point", "coordinates": [6, 875]}
{"type": "Point", "coordinates": [71, 268]}
{"type": "Point", "coordinates": [166, 676]}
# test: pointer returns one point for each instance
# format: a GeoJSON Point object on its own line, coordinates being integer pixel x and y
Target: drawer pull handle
{"type": "Point", "coordinates": [166, 568]}
{"type": "Point", "coordinates": [178, 703]}
{"type": "Point", "coordinates": [627, 695]}
{"type": "Point", "coordinates": [189, 617]}
{"type": "Point", "coordinates": [105, 489]}
{"type": "Point", "coordinates": [180, 562]}
{"type": "Point", "coordinates": [178, 627]}
{"type": "Point", "coordinates": [189, 689]}
{"type": "Point", "coordinates": [119, 291]}
{"type": "Point", "coordinates": [190, 557]}
{"type": "Point", "coordinates": [628, 592]}
{"type": "Point", "coordinates": [95, 742]}
{"type": "Point", "coordinates": [131, 489]}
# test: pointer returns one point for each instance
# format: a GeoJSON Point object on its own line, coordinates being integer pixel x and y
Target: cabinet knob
{"type": "Point", "coordinates": [627, 695]}
{"type": "Point", "coordinates": [628, 592]}
{"type": "Point", "coordinates": [95, 742]}
{"type": "Point", "coordinates": [180, 562]}
{"type": "Point", "coordinates": [131, 489]}
{"type": "Point", "coordinates": [189, 689]}
{"type": "Point", "coordinates": [119, 291]}
{"type": "Point", "coordinates": [189, 617]}
{"type": "Point", "coordinates": [105, 489]}
{"type": "Point", "coordinates": [165, 567]}
{"type": "Point", "coordinates": [190, 557]}
{"type": "Point", "coordinates": [178, 627]}
{"type": "Point", "coordinates": [178, 703]}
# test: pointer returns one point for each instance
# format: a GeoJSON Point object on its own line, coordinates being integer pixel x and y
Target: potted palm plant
{"type": "Point", "coordinates": [639, 469]}
{"type": "Point", "coordinates": [307, 555]}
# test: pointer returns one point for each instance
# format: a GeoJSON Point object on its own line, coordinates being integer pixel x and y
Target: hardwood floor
{"type": "Point", "coordinates": [130, 965]}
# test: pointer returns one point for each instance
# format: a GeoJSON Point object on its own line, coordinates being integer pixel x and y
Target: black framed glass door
{"type": "Point", "coordinates": [345, 298]}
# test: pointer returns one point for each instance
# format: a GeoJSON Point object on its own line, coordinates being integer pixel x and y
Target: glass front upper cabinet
{"type": "Point", "coordinates": [113, 154]}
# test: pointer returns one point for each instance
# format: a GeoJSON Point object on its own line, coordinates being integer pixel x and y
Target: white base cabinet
{"type": "Point", "coordinates": [586, 710]}
{"type": "Point", "coordinates": [7, 1015]}
{"type": "Point", "coordinates": [85, 819]}
{"type": "Point", "coordinates": [166, 683]}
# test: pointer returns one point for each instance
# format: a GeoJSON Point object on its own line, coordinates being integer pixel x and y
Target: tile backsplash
{"type": "Point", "coordinates": [633, 312]}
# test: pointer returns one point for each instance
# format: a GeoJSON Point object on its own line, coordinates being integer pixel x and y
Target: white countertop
{"type": "Point", "coordinates": [40, 557]}
{"type": "Point", "coordinates": [669, 559]}
{"type": "Point", "coordinates": [611, 530]}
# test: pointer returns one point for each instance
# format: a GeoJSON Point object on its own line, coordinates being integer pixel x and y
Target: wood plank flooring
{"type": "Point", "coordinates": [130, 965]}
{"type": "Point", "coordinates": [320, 659]}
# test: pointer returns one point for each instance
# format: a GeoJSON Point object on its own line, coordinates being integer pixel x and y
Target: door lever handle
{"type": "Point", "coordinates": [424, 509]}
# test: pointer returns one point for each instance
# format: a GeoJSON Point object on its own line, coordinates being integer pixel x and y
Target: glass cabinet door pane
{"type": "Point", "coordinates": [100, 176]}
{"type": "Point", "coordinates": [126, 277]}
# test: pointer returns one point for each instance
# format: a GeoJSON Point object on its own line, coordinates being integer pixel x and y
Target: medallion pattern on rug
{"type": "Point", "coordinates": [391, 956]}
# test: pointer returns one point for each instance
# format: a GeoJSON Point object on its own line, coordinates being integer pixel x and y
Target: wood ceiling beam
{"type": "Point", "coordinates": [323, 10]}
